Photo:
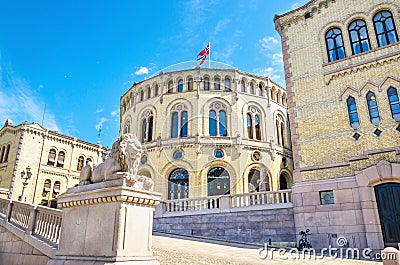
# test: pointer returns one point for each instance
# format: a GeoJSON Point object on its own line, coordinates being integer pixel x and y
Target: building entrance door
{"type": "Point", "coordinates": [388, 198]}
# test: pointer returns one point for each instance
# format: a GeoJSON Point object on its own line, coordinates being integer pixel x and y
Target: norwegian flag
{"type": "Point", "coordinates": [203, 54]}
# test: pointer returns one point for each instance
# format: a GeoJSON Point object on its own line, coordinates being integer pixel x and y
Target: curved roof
{"type": "Point", "coordinates": [193, 65]}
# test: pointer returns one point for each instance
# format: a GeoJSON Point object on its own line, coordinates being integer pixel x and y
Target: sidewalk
{"type": "Point", "coordinates": [176, 251]}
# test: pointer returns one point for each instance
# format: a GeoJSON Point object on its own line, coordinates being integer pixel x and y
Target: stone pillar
{"type": "Point", "coordinates": [106, 223]}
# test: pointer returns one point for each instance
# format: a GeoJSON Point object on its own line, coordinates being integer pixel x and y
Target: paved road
{"type": "Point", "coordinates": [175, 251]}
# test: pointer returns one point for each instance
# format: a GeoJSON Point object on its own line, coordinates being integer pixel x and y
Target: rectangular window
{"type": "Point", "coordinates": [326, 197]}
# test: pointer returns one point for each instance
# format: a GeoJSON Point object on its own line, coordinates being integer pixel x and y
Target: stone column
{"type": "Point", "coordinates": [107, 223]}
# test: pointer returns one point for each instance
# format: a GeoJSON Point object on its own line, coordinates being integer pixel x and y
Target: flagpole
{"type": "Point", "coordinates": [209, 56]}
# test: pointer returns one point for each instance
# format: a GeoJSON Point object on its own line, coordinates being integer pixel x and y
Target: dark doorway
{"type": "Point", "coordinates": [387, 199]}
{"type": "Point", "coordinates": [283, 184]}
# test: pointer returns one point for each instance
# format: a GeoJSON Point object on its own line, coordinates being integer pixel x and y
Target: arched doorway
{"type": "Point", "coordinates": [218, 181]}
{"type": "Point", "coordinates": [178, 185]}
{"type": "Point", "coordinates": [254, 180]}
{"type": "Point", "coordinates": [283, 183]}
{"type": "Point", "coordinates": [387, 199]}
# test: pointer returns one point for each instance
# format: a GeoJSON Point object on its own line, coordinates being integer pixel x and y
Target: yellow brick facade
{"type": "Point", "coordinates": [268, 98]}
{"type": "Point", "coordinates": [30, 145]}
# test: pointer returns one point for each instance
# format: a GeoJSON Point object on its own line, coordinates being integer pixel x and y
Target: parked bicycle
{"type": "Point", "coordinates": [304, 241]}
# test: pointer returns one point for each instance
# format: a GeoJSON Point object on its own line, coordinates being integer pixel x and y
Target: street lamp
{"type": "Point", "coordinates": [25, 176]}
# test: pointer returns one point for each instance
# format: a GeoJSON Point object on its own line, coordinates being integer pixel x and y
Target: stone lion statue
{"type": "Point", "coordinates": [122, 162]}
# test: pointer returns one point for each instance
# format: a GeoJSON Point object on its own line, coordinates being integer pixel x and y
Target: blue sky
{"type": "Point", "coordinates": [76, 58]}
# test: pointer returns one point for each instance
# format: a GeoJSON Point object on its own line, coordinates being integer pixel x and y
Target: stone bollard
{"type": "Point", "coordinates": [107, 223]}
{"type": "Point", "coordinates": [390, 256]}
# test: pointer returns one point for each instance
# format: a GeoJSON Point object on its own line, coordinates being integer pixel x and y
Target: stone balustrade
{"type": "Point", "coordinates": [38, 221]}
{"type": "Point", "coordinates": [226, 203]}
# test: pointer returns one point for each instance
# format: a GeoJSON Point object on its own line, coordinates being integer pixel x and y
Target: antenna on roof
{"type": "Point", "coordinates": [44, 112]}
{"type": "Point", "coordinates": [98, 136]}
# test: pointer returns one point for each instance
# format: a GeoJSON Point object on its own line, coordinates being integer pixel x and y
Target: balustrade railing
{"type": "Point", "coordinates": [38, 221]}
{"type": "Point", "coordinates": [227, 202]}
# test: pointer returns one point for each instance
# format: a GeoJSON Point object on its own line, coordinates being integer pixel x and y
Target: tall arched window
{"type": "Point", "coordinates": [127, 127]}
{"type": "Point", "coordinates": [217, 120]}
{"type": "Point", "coordinates": [60, 159]}
{"type": "Point", "coordinates": [179, 124]}
{"type": "Point", "coordinates": [254, 180]}
{"type": "Point", "coordinates": [353, 114]}
{"type": "Point", "coordinates": [217, 83]}
{"type": "Point", "coordinates": [334, 44]}
{"type": "Point", "coordinates": [385, 29]}
{"type": "Point", "coordinates": [394, 103]}
{"type": "Point", "coordinates": [51, 160]}
{"type": "Point", "coordinates": [227, 84]}
{"type": "Point", "coordinates": [141, 95]}
{"type": "Point", "coordinates": [218, 181]}
{"type": "Point", "coordinates": [206, 83]}
{"type": "Point", "coordinates": [253, 120]}
{"type": "Point", "coordinates": [147, 126]}
{"type": "Point", "coordinates": [56, 189]}
{"type": "Point", "coordinates": [148, 92]}
{"type": "Point", "coordinates": [259, 90]}
{"type": "Point", "coordinates": [80, 163]}
{"type": "Point", "coordinates": [242, 86]}
{"type": "Point", "coordinates": [46, 188]}
{"type": "Point", "coordinates": [5, 159]}
{"type": "Point", "coordinates": [359, 37]}
{"type": "Point", "coordinates": [280, 130]}
{"type": "Point", "coordinates": [180, 85]}
{"type": "Point", "coordinates": [169, 88]}
{"type": "Point", "coordinates": [178, 185]}
{"type": "Point", "coordinates": [156, 90]}
{"type": "Point", "coordinates": [3, 149]}
{"type": "Point", "coordinates": [373, 108]}
{"type": "Point", "coordinates": [251, 89]}
{"type": "Point", "coordinates": [190, 84]}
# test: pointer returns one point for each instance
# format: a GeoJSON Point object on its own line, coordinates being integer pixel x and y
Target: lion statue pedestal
{"type": "Point", "coordinates": [108, 218]}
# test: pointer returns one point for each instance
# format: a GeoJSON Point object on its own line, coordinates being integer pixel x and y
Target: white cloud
{"type": "Point", "coordinates": [100, 123]}
{"type": "Point", "coordinates": [298, 4]}
{"type": "Point", "coordinates": [143, 70]}
{"type": "Point", "coordinates": [221, 25]}
{"type": "Point", "coordinates": [114, 113]}
{"type": "Point", "coordinates": [98, 111]}
{"type": "Point", "coordinates": [19, 102]}
{"type": "Point", "coordinates": [277, 59]}
{"type": "Point", "coordinates": [275, 74]}
{"type": "Point", "coordinates": [268, 43]}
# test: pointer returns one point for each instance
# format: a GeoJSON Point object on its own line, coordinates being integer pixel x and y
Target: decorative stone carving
{"type": "Point", "coordinates": [123, 162]}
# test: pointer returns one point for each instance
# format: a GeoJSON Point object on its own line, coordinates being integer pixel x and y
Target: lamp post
{"type": "Point", "coordinates": [25, 176]}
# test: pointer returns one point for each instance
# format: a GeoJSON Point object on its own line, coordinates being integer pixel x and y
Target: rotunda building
{"type": "Point", "coordinates": [210, 131]}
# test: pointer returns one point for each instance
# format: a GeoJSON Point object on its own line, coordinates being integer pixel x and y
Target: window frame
{"type": "Point", "coordinates": [336, 47]}
{"type": "Point", "coordinates": [360, 39]}
{"type": "Point", "coordinates": [385, 31]}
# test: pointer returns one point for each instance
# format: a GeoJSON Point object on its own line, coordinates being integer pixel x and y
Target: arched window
{"type": "Point", "coordinates": [5, 159]}
{"type": "Point", "coordinates": [56, 189]}
{"type": "Point", "coordinates": [180, 85]}
{"type": "Point", "coordinates": [218, 181]}
{"type": "Point", "coordinates": [179, 124]}
{"type": "Point", "coordinates": [253, 119]}
{"type": "Point", "coordinates": [127, 127]}
{"type": "Point", "coordinates": [206, 83]}
{"type": "Point", "coordinates": [156, 90]}
{"type": "Point", "coordinates": [394, 103]}
{"type": "Point", "coordinates": [242, 86]}
{"type": "Point", "coordinates": [141, 95]}
{"type": "Point", "coordinates": [88, 160]}
{"type": "Point", "coordinates": [147, 126]}
{"type": "Point", "coordinates": [46, 188]}
{"type": "Point", "coordinates": [178, 185]}
{"type": "Point", "coordinates": [283, 182]}
{"type": "Point", "coordinates": [217, 83]}
{"type": "Point", "coordinates": [217, 120]}
{"type": "Point", "coordinates": [359, 37]}
{"type": "Point", "coordinates": [80, 163]}
{"type": "Point", "coordinates": [148, 92]}
{"type": "Point", "coordinates": [385, 29]}
{"type": "Point", "coordinates": [254, 180]}
{"type": "Point", "coordinates": [2, 154]}
{"type": "Point", "coordinates": [251, 89]}
{"type": "Point", "coordinates": [170, 84]}
{"type": "Point", "coordinates": [190, 84]}
{"type": "Point", "coordinates": [373, 108]}
{"type": "Point", "coordinates": [353, 114]}
{"type": "Point", "coordinates": [280, 130]}
{"type": "Point", "coordinates": [60, 159]}
{"type": "Point", "coordinates": [227, 84]}
{"type": "Point", "coordinates": [259, 90]}
{"type": "Point", "coordinates": [334, 44]}
{"type": "Point", "coordinates": [51, 160]}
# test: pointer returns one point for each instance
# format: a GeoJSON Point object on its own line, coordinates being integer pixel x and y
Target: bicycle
{"type": "Point", "coordinates": [304, 242]}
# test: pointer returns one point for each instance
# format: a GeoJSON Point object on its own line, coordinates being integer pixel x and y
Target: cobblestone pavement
{"type": "Point", "coordinates": [176, 251]}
